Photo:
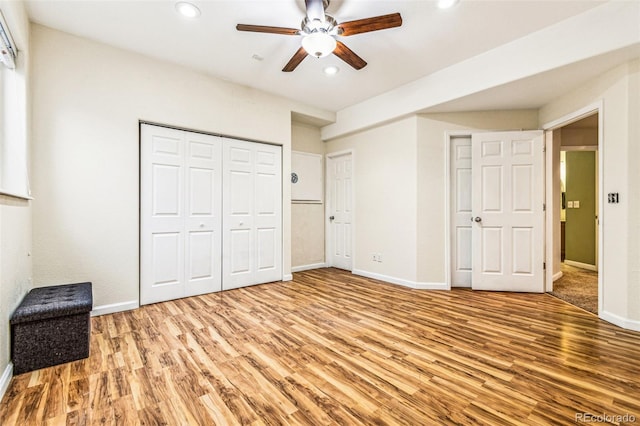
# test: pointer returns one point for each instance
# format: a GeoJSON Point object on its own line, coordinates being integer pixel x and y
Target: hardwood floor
{"type": "Point", "coordinates": [333, 348]}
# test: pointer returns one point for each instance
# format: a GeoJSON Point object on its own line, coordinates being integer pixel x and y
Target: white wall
{"type": "Point", "coordinates": [15, 214]}
{"type": "Point", "coordinates": [307, 219]}
{"type": "Point", "coordinates": [619, 91]}
{"type": "Point", "coordinates": [87, 101]}
{"type": "Point", "coordinates": [385, 195]}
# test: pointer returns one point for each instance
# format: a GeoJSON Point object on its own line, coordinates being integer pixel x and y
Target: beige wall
{"type": "Point", "coordinates": [88, 99]}
{"type": "Point", "coordinates": [385, 199]}
{"type": "Point", "coordinates": [579, 137]}
{"type": "Point", "coordinates": [15, 214]}
{"type": "Point", "coordinates": [307, 219]}
{"type": "Point", "coordinates": [618, 90]}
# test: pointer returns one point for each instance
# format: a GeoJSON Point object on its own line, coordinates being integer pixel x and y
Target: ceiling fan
{"type": "Point", "coordinates": [319, 31]}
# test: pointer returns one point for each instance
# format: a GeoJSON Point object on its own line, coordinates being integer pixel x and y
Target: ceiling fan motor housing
{"type": "Point", "coordinates": [319, 35]}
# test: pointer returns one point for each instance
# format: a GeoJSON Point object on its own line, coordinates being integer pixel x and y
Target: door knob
{"type": "Point", "coordinates": [478, 219]}
{"type": "Point", "coordinates": [331, 217]}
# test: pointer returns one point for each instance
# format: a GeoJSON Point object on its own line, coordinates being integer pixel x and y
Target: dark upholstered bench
{"type": "Point", "coordinates": [51, 326]}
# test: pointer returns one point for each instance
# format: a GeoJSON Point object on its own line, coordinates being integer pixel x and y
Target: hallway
{"type": "Point", "coordinates": [579, 287]}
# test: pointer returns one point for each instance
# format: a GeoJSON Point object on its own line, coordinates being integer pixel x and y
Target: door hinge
{"type": "Point", "coordinates": [544, 207]}
{"type": "Point", "coordinates": [544, 265]}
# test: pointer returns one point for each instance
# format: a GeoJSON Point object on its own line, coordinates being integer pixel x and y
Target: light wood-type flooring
{"type": "Point", "coordinates": [333, 348]}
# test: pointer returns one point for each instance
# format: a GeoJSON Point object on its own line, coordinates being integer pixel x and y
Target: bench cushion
{"type": "Point", "coordinates": [52, 302]}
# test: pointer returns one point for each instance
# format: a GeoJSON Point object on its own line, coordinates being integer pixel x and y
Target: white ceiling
{"type": "Point", "coordinates": [429, 40]}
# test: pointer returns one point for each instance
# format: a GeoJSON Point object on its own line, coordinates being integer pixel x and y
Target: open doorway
{"type": "Point", "coordinates": [577, 279]}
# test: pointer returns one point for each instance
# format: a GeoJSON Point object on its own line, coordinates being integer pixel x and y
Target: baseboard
{"type": "Point", "coordinates": [557, 276]}
{"type": "Point", "coordinates": [115, 307]}
{"type": "Point", "coordinates": [385, 278]}
{"type": "Point", "coordinates": [432, 286]}
{"type": "Point", "coordinates": [620, 321]}
{"type": "Point", "coordinates": [581, 265]}
{"type": "Point", "coordinates": [308, 267]}
{"type": "Point", "coordinates": [287, 277]}
{"type": "Point", "coordinates": [5, 379]}
{"type": "Point", "coordinates": [400, 281]}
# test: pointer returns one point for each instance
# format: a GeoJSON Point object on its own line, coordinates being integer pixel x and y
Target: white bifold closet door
{"type": "Point", "coordinates": [180, 207]}
{"type": "Point", "coordinates": [189, 243]}
{"type": "Point", "coordinates": [252, 218]}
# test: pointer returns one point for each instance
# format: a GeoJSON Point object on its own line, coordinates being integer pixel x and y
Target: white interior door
{"type": "Point", "coordinates": [340, 211]}
{"type": "Point", "coordinates": [508, 210]}
{"type": "Point", "coordinates": [180, 205]}
{"type": "Point", "coordinates": [461, 259]}
{"type": "Point", "coordinates": [252, 218]}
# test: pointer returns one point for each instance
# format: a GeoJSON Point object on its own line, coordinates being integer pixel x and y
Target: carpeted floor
{"type": "Point", "coordinates": [578, 287]}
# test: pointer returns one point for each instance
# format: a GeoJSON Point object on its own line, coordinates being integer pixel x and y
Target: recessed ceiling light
{"type": "Point", "coordinates": [188, 10]}
{"type": "Point", "coordinates": [446, 4]}
{"type": "Point", "coordinates": [331, 70]}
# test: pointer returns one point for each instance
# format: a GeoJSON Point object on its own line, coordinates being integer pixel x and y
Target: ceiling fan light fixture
{"type": "Point", "coordinates": [319, 44]}
{"type": "Point", "coordinates": [188, 10]}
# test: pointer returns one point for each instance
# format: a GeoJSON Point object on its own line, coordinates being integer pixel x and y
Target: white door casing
{"type": "Point", "coordinates": [508, 214]}
{"type": "Point", "coordinates": [252, 218]}
{"type": "Point", "coordinates": [340, 211]}
{"type": "Point", "coordinates": [180, 208]}
{"type": "Point", "coordinates": [461, 196]}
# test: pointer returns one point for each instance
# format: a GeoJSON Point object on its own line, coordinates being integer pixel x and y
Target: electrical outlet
{"type": "Point", "coordinates": [374, 258]}
{"type": "Point", "coordinates": [380, 257]}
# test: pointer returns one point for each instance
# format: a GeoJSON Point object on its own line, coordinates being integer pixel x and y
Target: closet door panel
{"type": "Point", "coordinates": [162, 214]}
{"type": "Point", "coordinates": [268, 206]}
{"type": "Point", "coordinates": [204, 213]}
{"type": "Point", "coordinates": [180, 208]}
{"type": "Point", "coordinates": [252, 223]}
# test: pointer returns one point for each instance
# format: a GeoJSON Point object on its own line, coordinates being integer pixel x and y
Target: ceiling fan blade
{"type": "Point", "coordinates": [267, 29]}
{"type": "Point", "coordinates": [315, 9]}
{"type": "Point", "coordinates": [366, 25]}
{"type": "Point", "coordinates": [295, 60]}
{"type": "Point", "coordinates": [347, 55]}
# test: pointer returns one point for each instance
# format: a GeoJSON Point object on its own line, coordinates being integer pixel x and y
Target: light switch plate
{"type": "Point", "coordinates": [569, 204]}
{"type": "Point", "coordinates": [576, 204]}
